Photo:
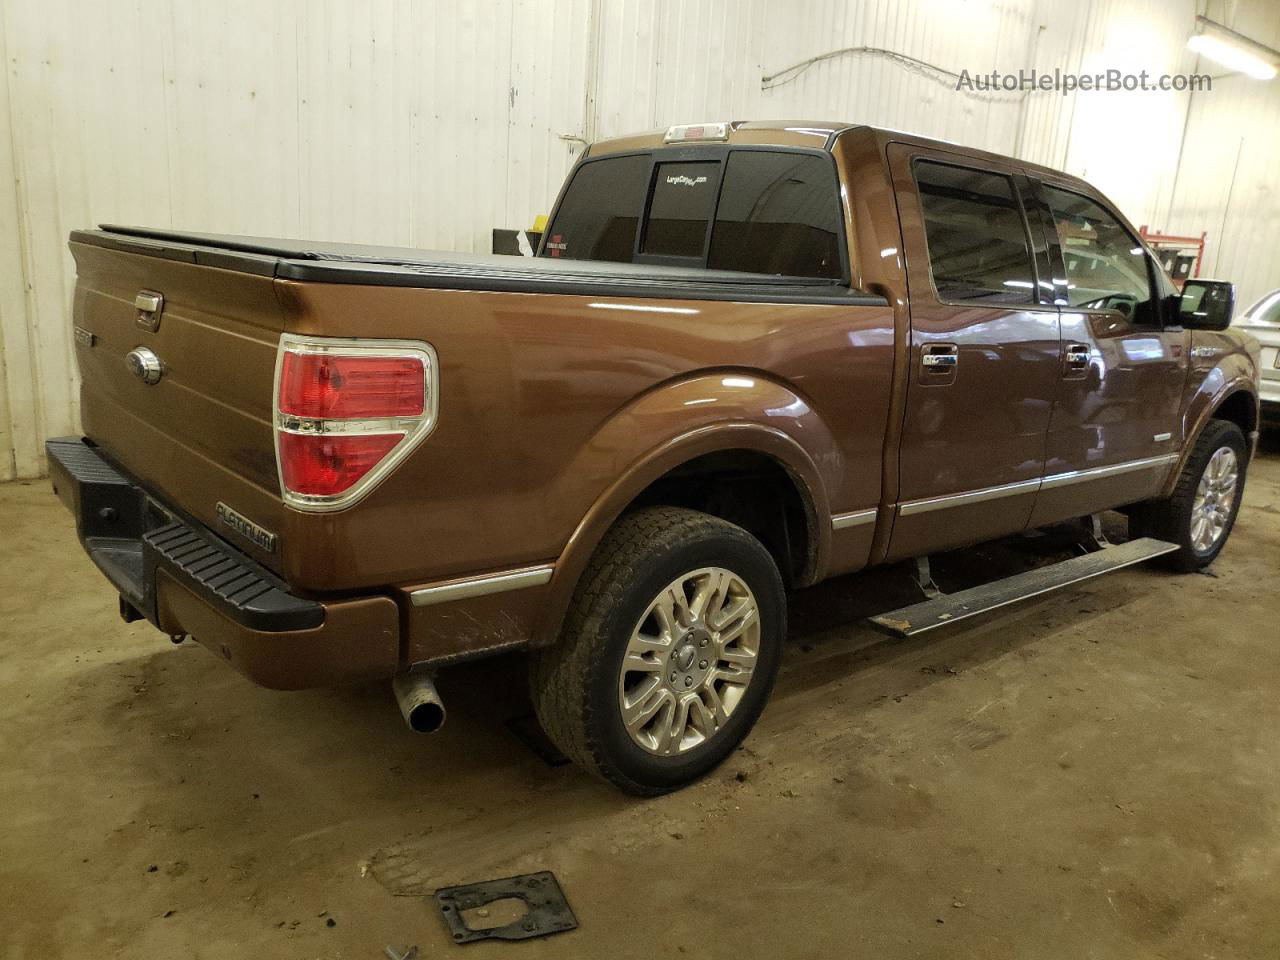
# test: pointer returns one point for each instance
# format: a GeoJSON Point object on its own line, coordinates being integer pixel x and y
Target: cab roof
{"type": "Point", "coordinates": [814, 134]}
{"type": "Point", "coordinates": [787, 133]}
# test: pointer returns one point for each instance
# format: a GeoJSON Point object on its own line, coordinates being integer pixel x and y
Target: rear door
{"type": "Point", "coordinates": [1115, 428]}
{"type": "Point", "coordinates": [984, 352]}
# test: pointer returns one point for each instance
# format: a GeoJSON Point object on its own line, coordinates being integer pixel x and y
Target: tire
{"type": "Point", "coordinates": [1176, 519]}
{"type": "Point", "coordinates": [580, 688]}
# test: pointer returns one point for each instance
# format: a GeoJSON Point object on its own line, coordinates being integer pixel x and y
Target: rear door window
{"type": "Point", "coordinates": [779, 213]}
{"type": "Point", "coordinates": [600, 212]}
{"type": "Point", "coordinates": [684, 198]}
{"type": "Point", "coordinates": [976, 235]}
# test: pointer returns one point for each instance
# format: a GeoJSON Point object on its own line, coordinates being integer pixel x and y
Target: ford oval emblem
{"type": "Point", "coordinates": [145, 365]}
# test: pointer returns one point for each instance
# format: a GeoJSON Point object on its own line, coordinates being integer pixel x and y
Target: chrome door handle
{"type": "Point", "coordinates": [939, 358]}
{"type": "Point", "coordinates": [1077, 356]}
{"type": "Point", "coordinates": [1076, 361]}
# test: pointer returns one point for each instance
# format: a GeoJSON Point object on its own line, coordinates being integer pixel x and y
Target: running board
{"type": "Point", "coordinates": [950, 607]}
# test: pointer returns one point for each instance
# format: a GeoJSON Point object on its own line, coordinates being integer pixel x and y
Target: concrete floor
{"type": "Point", "coordinates": [1094, 774]}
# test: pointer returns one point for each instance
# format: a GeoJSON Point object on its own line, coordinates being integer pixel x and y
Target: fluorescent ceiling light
{"type": "Point", "coordinates": [1233, 50]}
{"type": "Point", "coordinates": [1231, 56]}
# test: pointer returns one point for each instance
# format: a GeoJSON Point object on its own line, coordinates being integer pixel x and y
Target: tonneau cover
{"type": "Point", "coordinates": [306, 260]}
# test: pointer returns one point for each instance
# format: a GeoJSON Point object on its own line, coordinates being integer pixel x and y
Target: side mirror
{"type": "Point", "coordinates": [1207, 304]}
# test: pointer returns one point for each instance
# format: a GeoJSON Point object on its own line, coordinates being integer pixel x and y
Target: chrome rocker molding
{"type": "Point", "coordinates": [1051, 482]}
{"type": "Point", "coordinates": [541, 574]}
{"type": "Point", "coordinates": [482, 586]}
{"type": "Point", "coordinates": [842, 521]}
{"type": "Point", "coordinates": [1082, 476]}
{"type": "Point", "coordinates": [912, 507]}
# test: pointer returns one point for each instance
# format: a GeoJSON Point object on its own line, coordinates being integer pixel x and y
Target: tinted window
{"type": "Point", "coordinates": [1106, 267]}
{"type": "Point", "coordinates": [684, 195]}
{"type": "Point", "coordinates": [975, 233]}
{"type": "Point", "coordinates": [778, 213]}
{"type": "Point", "coordinates": [598, 217]}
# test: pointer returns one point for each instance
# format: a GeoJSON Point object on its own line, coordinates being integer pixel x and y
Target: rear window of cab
{"type": "Point", "coordinates": [758, 211]}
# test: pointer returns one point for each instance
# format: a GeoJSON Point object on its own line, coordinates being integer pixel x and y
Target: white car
{"type": "Point", "coordinates": [1262, 320]}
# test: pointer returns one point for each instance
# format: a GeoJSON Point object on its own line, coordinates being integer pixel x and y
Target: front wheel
{"type": "Point", "coordinates": [1200, 514]}
{"type": "Point", "coordinates": [669, 651]}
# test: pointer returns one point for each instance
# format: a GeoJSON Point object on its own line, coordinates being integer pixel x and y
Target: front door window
{"type": "Point", "coordinates": [1106, 267]}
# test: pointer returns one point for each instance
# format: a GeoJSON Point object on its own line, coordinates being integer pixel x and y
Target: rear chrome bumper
{"type": "Point", "coordinates": [181, 577]}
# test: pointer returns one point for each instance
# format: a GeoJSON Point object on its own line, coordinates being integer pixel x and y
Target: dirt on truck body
{"type": "Point", "coordinates": [748, 357]}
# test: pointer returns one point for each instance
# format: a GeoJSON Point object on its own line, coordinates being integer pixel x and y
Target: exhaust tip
{"type": "Point", "coordinates": [420, 704]}
{"type": "Point", "coordinates": [426, 718]}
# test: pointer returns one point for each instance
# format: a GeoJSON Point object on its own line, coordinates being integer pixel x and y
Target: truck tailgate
{"type": "Point", "coordinates": [202, 433]}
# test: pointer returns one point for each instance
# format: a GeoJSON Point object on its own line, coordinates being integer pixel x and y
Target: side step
{"type": "Point", "coordinates": [948, 608]}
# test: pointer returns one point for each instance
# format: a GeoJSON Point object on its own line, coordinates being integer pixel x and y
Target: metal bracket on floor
{"type": "Point", "coordinates": [924, 579]}
{"type": "Point", "coordinates": [547, 910]}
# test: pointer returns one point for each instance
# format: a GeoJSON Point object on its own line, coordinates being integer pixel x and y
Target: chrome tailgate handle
{"type": "Point", "coordinates": [149, 305]}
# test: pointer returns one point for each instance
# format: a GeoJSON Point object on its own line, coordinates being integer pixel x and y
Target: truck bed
{"type": "Point", "coordinates": [537, 356]}
{"type": "Point", "coordinates": [318, 262]}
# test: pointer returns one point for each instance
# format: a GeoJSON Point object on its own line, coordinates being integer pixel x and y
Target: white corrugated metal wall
{"type": "Point", "coordinates": [1227, 182]}
{"type": "Point", "coordinates": [427, 123]}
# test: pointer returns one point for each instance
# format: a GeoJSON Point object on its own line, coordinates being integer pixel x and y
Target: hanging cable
{"type": "Point", "coordinates": [914, 64]}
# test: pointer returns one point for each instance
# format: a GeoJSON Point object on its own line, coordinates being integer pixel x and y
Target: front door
{"type": "Point", "coordinates": [1115, 430]}
{"type": "Point", "coordinates": [984, 358]}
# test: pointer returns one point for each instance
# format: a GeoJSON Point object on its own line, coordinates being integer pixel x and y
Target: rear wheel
{"type": "Point", "coordinates": [669, 651]}
{"type": "Point", "coordinates": [1200, 514]}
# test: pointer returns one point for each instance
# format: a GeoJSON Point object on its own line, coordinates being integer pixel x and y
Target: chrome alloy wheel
{"type": "Point", "coordinates": [689, 661]}
{"type": "Point", "coordinates": [1215, 499]}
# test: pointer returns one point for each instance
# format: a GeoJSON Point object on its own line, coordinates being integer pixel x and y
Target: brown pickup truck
{"type": "Point", "coordinates": [748, 357]}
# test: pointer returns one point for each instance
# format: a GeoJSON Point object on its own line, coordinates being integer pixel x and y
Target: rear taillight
{"type": "Point", "coordinates": [346, 412]}
{"type": "Point", "coordinates": [327, 386]}
{"type": "Point", "coordinates": [326, 466]}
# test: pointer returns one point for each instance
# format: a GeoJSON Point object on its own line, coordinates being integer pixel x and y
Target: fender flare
{"type": "Point", "coordinates": [717, 437]}
{"type": "Point", "coordinates": [1228, 390]}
